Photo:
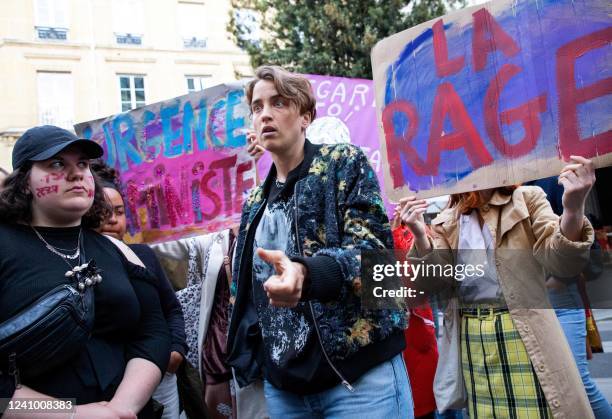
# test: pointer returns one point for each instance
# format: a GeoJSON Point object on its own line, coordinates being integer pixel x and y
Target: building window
{"type": "Point", "coordinates": [128, 39]}
{"type": "Point", "coordinates": [192, 26]}
{"type": "Point", "coordinates": [55, 99]}
{"type": "Point", "coordinates": [128, 21]}
{"type": "Point", "coordinates": [194, 42]}
{"type": "Point", "coordinates": [59, 34]}
{"type": "Point", "coordinates": [51, 19]}
{"type": "Point", "coordinates": [195, 83]}
{"type": "Point", "coordinates": [132, 91]}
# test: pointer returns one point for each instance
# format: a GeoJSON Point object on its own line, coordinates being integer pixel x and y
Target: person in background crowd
{"type": "Point", "coordinates": [507, 335]}
{"type": "Point", "coordinates": [205, 380]}
{"type": "Point", "coordinates": [421, 353]}
{"type": "Point", "coordinates": [49, 207]}
{"type": "Point", "coordinates": [116, 226]}
{"type": "Point", "coordinates": [297, 319]}
{"type": "Point", "coordinates": [565, 298]}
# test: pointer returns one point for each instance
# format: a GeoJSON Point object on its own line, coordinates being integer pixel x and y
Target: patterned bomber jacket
{"type": "Point", "coordinates": [340, 212]}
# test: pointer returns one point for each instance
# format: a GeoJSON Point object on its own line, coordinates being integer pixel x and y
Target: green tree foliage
{"type": "Point", "coordinates": [328, 37]}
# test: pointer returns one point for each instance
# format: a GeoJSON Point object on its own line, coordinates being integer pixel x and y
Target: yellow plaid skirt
{"type": "Point", "coordinates": [498, 374]}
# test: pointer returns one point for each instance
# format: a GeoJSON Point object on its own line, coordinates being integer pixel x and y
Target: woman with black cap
{"type": "Point", "coordinates": [48, 209]}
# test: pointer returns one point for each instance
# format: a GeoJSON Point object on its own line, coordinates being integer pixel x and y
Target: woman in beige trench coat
{"type": "Point", "coordinates": [515, 359]}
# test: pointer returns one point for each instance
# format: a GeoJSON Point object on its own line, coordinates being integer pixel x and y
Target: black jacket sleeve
{"type": "Point", "coordinates": [324, 279]}
{"type": "Point", "coordinates": [169, 303]}
{"type": "Point", "coordinates": [7, 389]}
{"type": "Point", "coordinates": [152, 339]}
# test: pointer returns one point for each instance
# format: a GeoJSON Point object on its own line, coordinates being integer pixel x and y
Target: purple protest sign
{"type": "Point", "coordinates": [346, 112]}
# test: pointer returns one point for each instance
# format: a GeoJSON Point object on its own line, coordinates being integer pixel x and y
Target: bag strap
{"type": "Point", "coordinates": [227, 259]}
{"type": "Point", "coordinates": [127, 252]}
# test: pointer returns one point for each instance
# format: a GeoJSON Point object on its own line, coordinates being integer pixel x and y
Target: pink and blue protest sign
{"type": "Point", "coordinates": [494, 95]}
{"type": "Point", "coordinates": [183, 162]}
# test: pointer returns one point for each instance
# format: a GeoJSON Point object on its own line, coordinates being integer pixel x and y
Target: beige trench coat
{"type": "Point", "coordinates": [526, 221]}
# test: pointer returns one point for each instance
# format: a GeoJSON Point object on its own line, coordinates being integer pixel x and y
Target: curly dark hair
{"type": "Point", "coordinates": [107, 174]}
{"type": "Point", "coordinates": [16, 200]}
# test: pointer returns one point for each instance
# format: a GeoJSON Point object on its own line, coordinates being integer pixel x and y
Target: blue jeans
{"type": "Point", "coordinates": [382, 392]}
{"type": "Point", "coordinates": [449, 414]}
{"type": "Point", "coordinates": [573, 322]}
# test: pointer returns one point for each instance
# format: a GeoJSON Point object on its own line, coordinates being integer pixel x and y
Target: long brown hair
{"type": "Point", "coordinates": [16, 200]}
{"type": "Point", "coordinates": [467, 201]}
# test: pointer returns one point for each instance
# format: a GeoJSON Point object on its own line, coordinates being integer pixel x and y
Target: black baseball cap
{"type": "Point", "coordinates": [44, 142]}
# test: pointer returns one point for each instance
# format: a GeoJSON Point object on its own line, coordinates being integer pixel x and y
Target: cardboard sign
{"type": "Point", "coordinates": [183, 162]}
{"type": "Point", "coordinates": [494, 95]}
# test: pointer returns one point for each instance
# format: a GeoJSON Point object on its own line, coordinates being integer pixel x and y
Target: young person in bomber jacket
{"type": "Point", "coordinates": [297, 319]}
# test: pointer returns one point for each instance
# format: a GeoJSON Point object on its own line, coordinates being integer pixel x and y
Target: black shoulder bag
{"type": "Point", "coordinates": [52, 329]}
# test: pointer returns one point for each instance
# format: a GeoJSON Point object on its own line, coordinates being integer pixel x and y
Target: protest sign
{"type": "Point", "coordinates": [346, 113]}
{"type": "Point", "coordinates": [184, 168]}
{"type": "Point", "coordinates": [494, 95]}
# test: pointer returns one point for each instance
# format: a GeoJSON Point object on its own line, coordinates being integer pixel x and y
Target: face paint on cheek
{"type": "Point", "coordinates": [46, 190]}
{"type": "Point", "coordinates": [90, 184]}
{"type": "Point", "coordinates": [53, 176]}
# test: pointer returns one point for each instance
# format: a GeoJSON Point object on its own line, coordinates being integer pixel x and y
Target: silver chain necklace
{"type": "Point", "coordinates": [55, 250]}
{"type": "Point", "coordinates": [85, 274]}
